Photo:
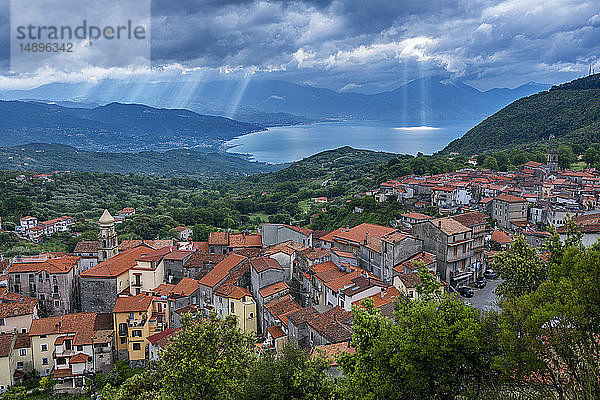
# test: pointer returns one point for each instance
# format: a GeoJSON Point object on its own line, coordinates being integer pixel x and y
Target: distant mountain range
{"type": "Point", "coordinates": [566, 114]}
{"type": "Point", "coordinates": [116, 127]}
{"type": "Point", "coordinates": [272, 102]}
{"type": "Point", "coordinates": [43, 157]}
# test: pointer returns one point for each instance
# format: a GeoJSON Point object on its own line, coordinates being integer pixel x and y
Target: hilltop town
{"type": "Point", "coordinates": [72, 315]}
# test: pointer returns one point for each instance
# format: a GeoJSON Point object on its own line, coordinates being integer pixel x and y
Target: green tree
{"type": "Point", "coordinates": [209, 358]}
{"type": "Point", "coordinates": [566, 156]}
{"type": "Point", "coordinates": [591, 156]}
{"type": "Point", "coordinates": [293, 374]}
{"type": "Point", "coordinates": [491, 163]}
{"type": "Point", "coordinates": [520, 267]}
{"type": "Point", "coordinates": [434, 349]}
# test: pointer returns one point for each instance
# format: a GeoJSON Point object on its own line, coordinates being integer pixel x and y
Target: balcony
{"type": "Point", "coordinates": [136, 323]}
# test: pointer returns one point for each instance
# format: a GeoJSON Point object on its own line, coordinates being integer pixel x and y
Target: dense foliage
{"type": "Point", "coordinates": [558, 116]}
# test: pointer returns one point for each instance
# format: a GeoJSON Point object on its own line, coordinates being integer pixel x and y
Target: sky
{"type": "Point", "coordinates": [363, 46]}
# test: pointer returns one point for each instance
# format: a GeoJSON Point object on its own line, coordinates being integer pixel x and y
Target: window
{"type": "Point", "coordinates": [79, 348]}
{"type": "Point", "coordinates": [131, 315]}
{"type": "Point", "coordinates": [61, 361]}
{"type": "Point", "coordinates": [43, 336]}
{"type": "Point", "coordinates": [42, 296]}
{"type": "Point", "coordinates": [23, 330]}
{"type": "Point", "coordinates": [136, 346]}
{"type": "Point", "coordinates": [20, 365]}
{"type": "Point", "coordinates": [56, 303]}
{"type": "Point", "coordinates": [23, 352]}
{"type": "Point", "coordinates": [2, 322]}
{"type": "Point", "coordinates": [251, 315]}
{"type": "Point", "coordinates": [232, 306]}
{"type": "Point", "coordinates": [44, 347]}
{"type": "Point", "coordinates": [44, 361]}
{"type": "Point", "coordinates": [136, 333]}
{"type": "Point", "coordinates": [123, 340]}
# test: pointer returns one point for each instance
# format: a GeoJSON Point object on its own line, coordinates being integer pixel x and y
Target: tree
{"type": "Point", "coordinates": [490, 163]}
{"type": "Point", "coordinates": [566, 156]}
{"type": "Point", "coordinates": [429, 285]}
{"type": "Point", "coordinates": [293, 374]}
{"type": "Point", "coordinates": [209, 358]}
{"type": "Point", "coordinates": [591, 156]}
{"type": "Point", "coordinates": [434, 349]}
{"type": "Point", "coordinates": [520, 267]}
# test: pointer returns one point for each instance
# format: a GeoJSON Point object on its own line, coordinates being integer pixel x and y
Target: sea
{"type": "Point", "coordinates": [292, 143]}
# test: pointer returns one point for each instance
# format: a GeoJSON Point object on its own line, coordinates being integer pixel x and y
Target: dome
{"type": "Point", "coordinates": [106, 219]}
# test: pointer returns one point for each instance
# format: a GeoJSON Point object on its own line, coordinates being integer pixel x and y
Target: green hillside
{"type": "Point", "coordinates": [566, 114]}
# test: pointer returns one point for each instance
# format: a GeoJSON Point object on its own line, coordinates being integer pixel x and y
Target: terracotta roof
{"type": "Point", "coordinates": [275, 332]}
{"type": "Point", "coordinates": [6, 343]}
{"type": "Point", "coordinates": [79, 358]}
{"type": "Point", "coordinates": [587, 228]}
{"type": "Point", "coordinates": [360, 284]}
{"type": "Point", "coordinates": [312, 253]}
{"type": "Point", "coordinates": [424, 257]}
{"type": "Point", "coordinates": [283, 305]}
{"type": "Point", "coordinates": [156, 255]}
{"type": "Point", "coordinates": [329, 237]}
{"type": "Point", "coordinates": [500, 237]}
{"type": "Point", "coordinates": [322, 267]}
{"type": "Point", "coordinates": [138, 303]}
{"type": "Point", "coordinates": [23, 341]}
{"type": "Point", "coordinates": [233, 292]}
{"type": "Point", "coordinates": [222, 269]}
{"type": "Point", "coordinates": [394, 237]}
{"type": "Point", "coordinates": [333, 351]}
{"type": "Point", "coordinates": [13, 304]}
{"type": "Point", "coordinates": [59, 265]}
{"type": "Point", "coordinates": [319, 234]}
{"type": "Point", "coordinates": [416, 215]}
{"type": "Point", "coordinates": [83, 325]}
{"type": "Point", "coordinates": [218, 239]}
{"type": "Point", "coordinates": [185, 287]}
{"type": "Point", "coordinates": [237, 240]}
{"type": "Point", "coordinates": [471, 219]}
{"type": "Point", "coordinates": [117, 265]}
{"type": "Point", "coordinates": [181, 228]}
{"type": "Point", "coordinates": [86, 246]}
{"type": "Point", "coordinates": [155, 244]}
{"type": "Point", "coordinates": [510, 198]}
{"type": "Point", "coordinates": [449, 226]}
{"type": "Point", "coordinates": [192, 308]}
{"type": "Point", "coordinates": [162, 338]}
{"type": "Point", "coordinates": [358, 233]}
{"type": "Point", "coordinates": [199, 260]}
{"type": "Point", "coordinates": [261, 264]}
{"type": "Point", "coordinates": [384, 297]}
{"type": "Point", "coordinates": [300, 316]}
{"type": "Point", "coordinates": [178, 255]}
{"type": "Point", "coordinates": [273, 289]}
{"type": "Point", "coordinates": [330, 324]}
{"type": "Point", "coordinates": [410, 280]}
{"type": "Point", "coordinates": [202, 246]}
{"type": "Point", "coordinates": [164, 289]}
{"type": "Point", "coordinates": [62, 373]}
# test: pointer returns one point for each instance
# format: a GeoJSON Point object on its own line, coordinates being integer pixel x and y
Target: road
{"type": "Point", "coordinates": [484, 298]}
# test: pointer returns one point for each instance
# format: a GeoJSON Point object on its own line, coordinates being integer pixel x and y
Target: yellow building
{"type": "Point", "coordinates": [134, 322]}
{"type": "Point", "coordinates": [237, 301]}
{"type": "Point", "coordinates": [149, 271]}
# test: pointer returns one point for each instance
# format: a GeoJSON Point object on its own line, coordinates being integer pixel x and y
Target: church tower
{"type": "Point", "coordinates": [107, 238]}
{"type": "Point", "coordinates": [553, 161]}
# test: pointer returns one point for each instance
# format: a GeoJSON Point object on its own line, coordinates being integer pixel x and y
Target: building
{"type": "Point", "coordinates": [71, 346]}
{"type": "Point", "coordinates": [184, 233]}
{"type": "Point", "coordinates": [278, 233]}
{"type": "Point", "coordinates": [174, 265]}
{"type": "Point", "coordinates": [230, 271]}
{"type": "Point", "coordinates": [477, 221]}
{"type": "Point", "coordinates": [236, 301]}
{"type": "Point", "coordinates": [107, 237]}
{"type": "Point", "coordinates": [451, 242]}
{"type": "Point", "coordinates": [12, 359]}
{"type": "Point", "coordinates": [88, 251]}
{"type": "Point", "coordinates": [226, 242]}
{"type": "Point", "coordinates": [101, 284]}
{"type": "Point", "coordinates": [16, 312]}
{"type": "Point", "coordinates": [507, 209]}
{"type": "Point", "coordinates": [350, 239]}
{"type": "Point", "coordinates": [134, 322]}
{"type": "Point", "coordinates": [158, 342]}
{"type": "Point", "coordinates": [148, 272]}
{"type": "Point", "coordinates": [53, 281]}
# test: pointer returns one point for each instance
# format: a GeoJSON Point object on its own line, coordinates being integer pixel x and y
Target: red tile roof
{"type": "Point", "coordinates": [510, 198]}
{"type": "Point", "coordinates": [13, 304]}
{"type": "Point", "coordinates": [261, 264]}
{"type": "Point", "coordinates": [222, 269]}
{"type": "Point", "coordinates": [117, 265]}
{"type": "Point", "coordinates": [358, 233]}
{"type": "Point", "coordinates": [273, 289]}
{"type": "Point", "coordinates": [500, 237]}
{"type": "Point", "coordinates": [237, 240]}
{"type": "Point", "coordinates": [85, 326]}
{"type": "Point", "coordinates": [59, 265]}
{"type": "Point", "coordinates": [275, 332]}
{"type": "Point", "coordinates": [233, 292]}
{"type": "Point", "coordinates": [162, 338]}
{"type": "Point", "coordinates": [185, 287]}
{"type": "Point", "coordinates": [138, 303]}
{"type": "Point", "coordinates": [79, 358]}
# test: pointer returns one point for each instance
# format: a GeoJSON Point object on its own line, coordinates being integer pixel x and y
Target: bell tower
{"type": "Point", "coordinates": [107, 238]}
{"type": "Point", "coordinates": [553, 161]}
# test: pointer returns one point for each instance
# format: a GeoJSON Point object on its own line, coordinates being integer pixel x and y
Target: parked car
{"type": "Point", "coordinates": [480, 283]}
{"type": "Point", "coordinates": [490, 274]}
{"type": "Point", "coordinates": [465, 291]}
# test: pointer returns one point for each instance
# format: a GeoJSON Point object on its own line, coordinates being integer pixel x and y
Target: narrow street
{"type": "Point", "coordinates": [484, 298]}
